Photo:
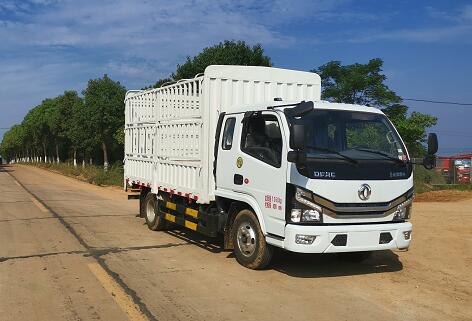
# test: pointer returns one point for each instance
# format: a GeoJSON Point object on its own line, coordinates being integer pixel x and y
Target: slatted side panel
{"type": "Point", "coordinates": [179, 178]}
{"type": "Point", "coordinates": [180, 140]}
{"type": "Point", "coordinates": [179, 101]}
{"type": "Point", "coordinates": [139, 151]}
{"type": "Point", "coordinates": [141, 108]}
{"type": "Point", "coordinates": [164, 132]}
{"type": "Point", "coordinates": [139, 170]}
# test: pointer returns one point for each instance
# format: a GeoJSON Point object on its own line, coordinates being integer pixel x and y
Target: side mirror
{"type": "Point", "coordinates": [429, 162]}
{"type": "Point", "coordinates": [297, 137]}
{"type": "Point", "coordinates": [432, 144]}
{"type": "Point", "coordinates": [296, 156]}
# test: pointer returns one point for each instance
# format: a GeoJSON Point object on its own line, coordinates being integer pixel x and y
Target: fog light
{"type": "Point", "coordinates": [304, 239]}
{"type": "Point", "coordinates": [407, 235]}
{"type": "Point", "coordinates": [295, 215]}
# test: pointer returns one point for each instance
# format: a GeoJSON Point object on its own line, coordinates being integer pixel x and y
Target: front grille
{"type": "Point", "coordinates": [341, 205]}
{"type": "Point", "coordinates": [358, 209]}
{"type": "Point", "coordinates": [371, 213]}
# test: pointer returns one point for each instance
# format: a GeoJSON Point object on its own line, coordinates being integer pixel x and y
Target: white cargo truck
{"type": "Point", "coordinates": [252, 153]}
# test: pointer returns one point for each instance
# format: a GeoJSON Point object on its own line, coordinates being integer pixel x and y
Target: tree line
{"type": "Point", "coordinates": [88, 128]}
{"type": "Point", "coordinates": [70, 126]}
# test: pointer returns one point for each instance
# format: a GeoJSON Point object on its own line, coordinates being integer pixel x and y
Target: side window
{"type": "Point", "coordinates": [228, 132]}
{"type": "Point", "coordinates": [262, 139]}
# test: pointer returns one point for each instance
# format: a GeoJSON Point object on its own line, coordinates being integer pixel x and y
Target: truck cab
{"type": "Point", "coordinates": [320, 177]}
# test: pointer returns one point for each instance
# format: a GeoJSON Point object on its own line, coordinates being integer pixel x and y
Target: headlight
{"type": "Point", "coordinates": [311, 216]}
{"type": "Point", "coordinates": [304, 209]}
{"type": "Point", "coordinates": [403, 211]}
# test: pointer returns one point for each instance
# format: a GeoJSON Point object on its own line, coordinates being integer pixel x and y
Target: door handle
{"type": "Point", "coordinates": [238, 179]}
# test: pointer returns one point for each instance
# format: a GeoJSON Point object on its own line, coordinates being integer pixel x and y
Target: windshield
{"type": "Point", "coordinates": [357, 135]}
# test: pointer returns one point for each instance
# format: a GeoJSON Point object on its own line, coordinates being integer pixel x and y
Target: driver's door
{"type": "Point", "coordinates": [254, 164]}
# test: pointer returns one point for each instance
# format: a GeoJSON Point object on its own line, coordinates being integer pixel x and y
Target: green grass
{"type": "Point", "coordinates": [426, 180]}
{"type": "Point", "coordinates": [90, 173]}
{"type": "Point", "coordinates": [457, 187]}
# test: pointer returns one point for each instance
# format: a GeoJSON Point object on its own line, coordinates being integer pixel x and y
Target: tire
{"type": "Point", "coordinates": [142, 207]}
{"type": "Point", "coordinates": [153, 220]}
{"type": "Point", "coordinates": [250, 247]}
{"type": "Point", "coordinates": [355, 257]}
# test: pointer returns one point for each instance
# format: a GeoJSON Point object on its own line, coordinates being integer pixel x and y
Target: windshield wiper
{"type": "Point", "coordinates": [372, 151]}
{"type": "Point", "coordinates": [332, 151]}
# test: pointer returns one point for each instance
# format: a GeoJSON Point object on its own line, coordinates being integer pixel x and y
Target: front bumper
{"type": "Point", "coordinates": [368, 237]}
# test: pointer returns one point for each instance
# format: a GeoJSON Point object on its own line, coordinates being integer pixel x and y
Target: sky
{"type": "Point", "coordinates": [49, 46]}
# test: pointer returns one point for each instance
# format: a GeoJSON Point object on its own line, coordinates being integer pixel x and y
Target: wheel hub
{"type": "Point", "coordinates": [246, 237]}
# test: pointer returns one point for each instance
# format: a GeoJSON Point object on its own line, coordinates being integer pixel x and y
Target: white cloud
{"type": "Point", "coordinates": [466, 13]}
{"type": "Point", "coordinates": [49, 46]}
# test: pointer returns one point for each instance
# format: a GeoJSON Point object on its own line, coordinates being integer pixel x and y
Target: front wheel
{"type": "Point", "coordinates": [250, 247]}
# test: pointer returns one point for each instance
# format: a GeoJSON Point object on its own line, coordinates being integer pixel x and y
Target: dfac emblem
{"type": "Point", "coordinates": [364, 192]}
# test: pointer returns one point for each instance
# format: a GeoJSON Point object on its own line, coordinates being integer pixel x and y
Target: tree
{"type": "Point", "coordinates": [412, 128]}
{"type": "Point", "coordinates": [12, 143]}
{"type": "Point", "coordinates": [224, 53]}
{"type": "Point", "coordinates": [120, 136]}
{"type": "Point", "coordinates": [361, 84]}
{"type": "Point", "coordinates": [37, 127]}
{"type": "Point", "coordinates": [75, 127]}
{"type": "Point", "coordinates": [159, 83]}
{"type": "Point", "coordinates": [364, 84]}
{"type": "Point", "coordinates": [55, 118]}
{"type": "Point", "coordinates": [104, 103]}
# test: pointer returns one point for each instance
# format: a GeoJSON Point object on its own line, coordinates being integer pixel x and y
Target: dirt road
{"type": "Point", "coordinates": [73, 251]}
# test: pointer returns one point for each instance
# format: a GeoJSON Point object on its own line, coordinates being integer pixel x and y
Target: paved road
{"type": "Point", "coordinates": [73, 251]}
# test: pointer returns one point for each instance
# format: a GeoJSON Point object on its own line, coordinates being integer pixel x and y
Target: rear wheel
{"type": "Point", "coordinates": [153, 220]}
{"type": "Point", "coordinates": [250, 247]}
{"type": "Point", "coordinates": [142, 207]}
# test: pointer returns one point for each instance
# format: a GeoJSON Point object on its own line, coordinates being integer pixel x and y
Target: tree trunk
{"type": "Point", "coordinates": [75, 157]}
{"type": "Point", "coordinates": [57, 154]}
{"type": "Point", "coordinates": [45, 153]}
{"type": "Point", "coordinates": [105, 156]}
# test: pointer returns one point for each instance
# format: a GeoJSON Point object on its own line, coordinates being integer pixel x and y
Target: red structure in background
{"type": "Point", "coordinates": [455, 169]}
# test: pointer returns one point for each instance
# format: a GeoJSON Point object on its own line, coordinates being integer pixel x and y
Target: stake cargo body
{"type": "Point", "coordinates": [170, 131]}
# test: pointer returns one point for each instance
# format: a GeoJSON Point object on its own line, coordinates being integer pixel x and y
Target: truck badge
{"type": "Point", "coordinates": [239, 162]}
{"type": "Point", "coordinates": [364, 192]}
